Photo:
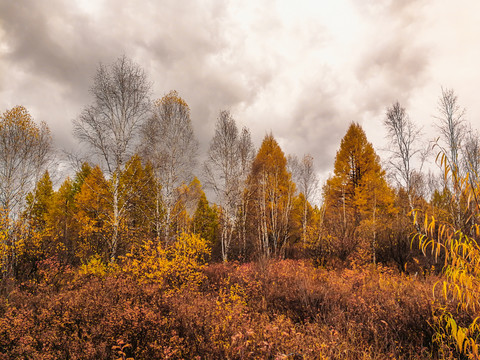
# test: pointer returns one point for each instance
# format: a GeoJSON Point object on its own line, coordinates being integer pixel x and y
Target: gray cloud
{"type": "Point", "coordinates": [394, 62]}
{"type": "Point", "coordinates": [281, 70]}
{"type": "Point", "coordinates": [318, 122]}
{"type": "Point", "coordinates": [391, 71]}
{"type": "Point", "coordinates": [49, 42]}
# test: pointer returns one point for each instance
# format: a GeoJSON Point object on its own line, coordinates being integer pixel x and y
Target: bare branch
{"type": "Point", "coordinates": [25, 150]}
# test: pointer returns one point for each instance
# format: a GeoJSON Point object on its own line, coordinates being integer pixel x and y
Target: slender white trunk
{"type": "Point", "coordinates": [116, 220]}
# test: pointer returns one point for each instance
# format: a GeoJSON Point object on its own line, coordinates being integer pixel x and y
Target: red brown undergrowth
{"type": "Point", "coordinates": [276, 310]}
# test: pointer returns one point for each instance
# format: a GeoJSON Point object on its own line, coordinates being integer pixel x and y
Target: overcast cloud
{"type": "Point", "coordinates": [302, 70]}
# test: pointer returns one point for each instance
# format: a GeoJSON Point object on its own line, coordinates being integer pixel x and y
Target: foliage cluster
{"type": "Point", "coordinates": [275, 310]}
{"type": "Point", "coordinates": [458, 331]}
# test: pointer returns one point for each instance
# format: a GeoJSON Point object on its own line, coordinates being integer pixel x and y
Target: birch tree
{"type": "Point", "coordinates": [25, 151]}
{"type": "Point", "coordinates": [247, 153]}
{"type": "Point", "coordinates": [306, 179]}
{"type": "Point", "coordinates": [452, 128]}
{"type": "Point", "coordinates": [169, 143]}
{"type": "Point", "coordinates": [229, 157]}
{"type": "Point", "coordinates": [471, 155]}
{"type": "Point", "coordinates": [110, 125]}
{"type": "Point", "coordinates": [406, 153]}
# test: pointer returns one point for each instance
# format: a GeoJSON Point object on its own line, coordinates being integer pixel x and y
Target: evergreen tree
{"type": "Point", "coordinates": [205, 221]}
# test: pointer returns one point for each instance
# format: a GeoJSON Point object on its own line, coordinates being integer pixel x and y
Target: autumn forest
{"type": "Point", "coordinates": [148, 252]}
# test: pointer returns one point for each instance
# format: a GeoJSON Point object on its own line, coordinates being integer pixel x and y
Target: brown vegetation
{"type": "Point", "coordinates": [274, 310]}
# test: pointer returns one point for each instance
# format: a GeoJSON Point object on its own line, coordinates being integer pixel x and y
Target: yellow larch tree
{"type": "Point", "coordinates": [271, 192]}
{"type": "Point", "coordinates": [356, 196]}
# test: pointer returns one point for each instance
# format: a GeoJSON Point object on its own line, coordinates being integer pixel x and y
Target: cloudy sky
{"type": "Point", "coordinates": [301, 69]}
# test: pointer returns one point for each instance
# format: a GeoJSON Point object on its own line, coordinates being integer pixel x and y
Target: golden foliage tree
{"type": "Point", "coordinates": [137, 191]}
{"type": "Point", "coordinates": [63, 229]}
{"type": "Point", "coordinates": [271, 191]}
{"type": "Point", "coordinates": [38, 243]}
{"type": "Point", "coordinates": [356, 195]}
{"type": "Point", "coordinates": [93, 215]}
{"type": "Point", "coordinates": [306, 227]}
{"type": "Point", "coordinates": [134, 209]}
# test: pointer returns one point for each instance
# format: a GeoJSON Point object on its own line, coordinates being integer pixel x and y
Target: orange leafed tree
{"type": "Point", "coordinates": [356, 194]}
{"type": "Point", "coordinates": [94, 215]}
{"type": "Point", "coordinates": [38, 242]}
{"type": "Point", "coordinates": [271, 191]}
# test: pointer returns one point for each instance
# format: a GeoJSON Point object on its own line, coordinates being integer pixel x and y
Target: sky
{"type": "Point", "coordinates": [303, 70]}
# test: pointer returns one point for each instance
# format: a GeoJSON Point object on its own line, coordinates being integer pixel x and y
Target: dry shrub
{"type": "Point", "coordinates": [350, 313]}
{"type": "Point", "coordinates": [278, 310]}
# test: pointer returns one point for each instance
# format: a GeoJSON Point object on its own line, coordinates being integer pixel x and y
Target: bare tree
{"type": "Point", "coordinates": [451, 126]}
{"type": "Point", "coordinates": [169, 143]}
{"type": "Point", "coordinates": [406, 153]}
{"type": "Point", "coordinates": [229, 157]}
{"type": "Point", "coordinates": [452, 133]}
{"type": "Point", "coordinates": [110, 125]}
{"type": "Point", "coordinates": [25, 151]}
{"type": "Point", "coordinates": [471, 164]}
{"type": "Point", "coordinates": [471, 155]}
{"type": "Point", "coordinates": [306, 179]}
{"type": "Point", "coordinates": [247, 153]}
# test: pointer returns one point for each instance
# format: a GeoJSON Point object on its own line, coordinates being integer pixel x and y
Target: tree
{"type": "Point", "coordinates": [272, 191]}
{"type": "Point", "coordinates": [404, 149]}
{"type": "Point", "coordinates": [110, 126]}
{"type": "Point", "coordinates": [94, 216]}
{"type": "Point", "coordinates": [405, 153]}
{"type": "Point", "coordinates": [471, 155]}
{"type": "Point", "coordinates": [96, 213]}
{"type": "Point", "coordinates": [205, 221]}
{"type": "Point", "coordinates": [38, 202]}
{"type": "Point", "coordinates": [64, 223]}
{"type": "Point", "coordinates": [247, 153]}
{"type": "Point", "coordinates": [306, 180]}
{"type": "Point", "coordinates": [355, 192]}
{"type": "Point", "coordinates": [38, 242]}
{"type": "Point", "coordinates": [61, 224]}
{"type": "Point", "coordinates": [451, 127]}
{"type": "Point", "coordinates": [452, 133]}
{"type": "Point", "coordinates": [138, 187]}
{"type": "Point", "coordinates": [25, 149]}
{"type": "Point", "coordinates": [169, 143]}
{"type": "Point", "coordinates": [228, 159]}
{"type": "Point", "coordinates": [187, 198]}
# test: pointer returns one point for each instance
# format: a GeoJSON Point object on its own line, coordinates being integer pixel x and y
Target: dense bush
{"type": "Point", "coordinates": [286, 309]}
